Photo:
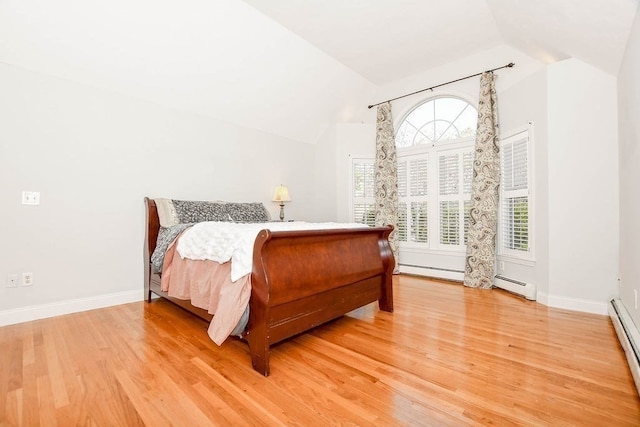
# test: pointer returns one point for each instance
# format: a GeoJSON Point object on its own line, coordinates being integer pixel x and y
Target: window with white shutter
{"type": "Point", "coordinates": [467, 209]}
{"type": "Point", "coordinates": [455, 169]}
{"type": "Point", "coordinates": [435, 150]}
{"type": "Point", "coordinates": [435, 159]}
{"type": "Point", "coordinates": [449, 223]}
{"type": "Point", "coordinates": [413, 217]}
{"type": "Point", "coordinates": [419, 222]}
{"type": "Point", "coordinates": [402, 203]}
{"type": "Point", "coordinates": [363, 191]}
{"type": "Point", "coordinates": [515, 204]}
{"type": "Point", "coordinates": [467, 167]}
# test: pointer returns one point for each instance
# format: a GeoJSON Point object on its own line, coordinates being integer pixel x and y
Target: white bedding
{"type": "Point", "coordinates": [227, 241]}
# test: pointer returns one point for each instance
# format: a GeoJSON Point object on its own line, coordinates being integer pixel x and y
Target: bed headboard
{"type": "Point", "coordinates": [152, 225]}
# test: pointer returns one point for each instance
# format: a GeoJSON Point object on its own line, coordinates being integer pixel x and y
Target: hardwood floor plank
{"type": "Point", "coordinates": [254, 406]}
{"type": "Point", "coordinates": [150, 413]}
{"type": "Point", "coordinates": [55, 372]}
{"type": "Point", "coordinates": [398, 380]}
{"type": "Point", "coordinates": [30, 397]}
{"type": "Point", "coordinates": [281, 403]}
{"type": "Point", "coordinates": [306, 386]}
{"type": "Point", "coordinates": [447, 356]}
{"type": "Point", "coordinates": [13, 408]}
{"type": "Point", "coordinates": [356, 386]}
{"type": "Point", "coordinates": [45, 405]}
{"type": "Point", "coordinates": [221, 413]}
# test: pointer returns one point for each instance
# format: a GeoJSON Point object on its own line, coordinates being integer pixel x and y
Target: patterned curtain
{"type": "Point", "coordinates": [386, 167]}
{"type": "Point", "coordinates": [481, 240]}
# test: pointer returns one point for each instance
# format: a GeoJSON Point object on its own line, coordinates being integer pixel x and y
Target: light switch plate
{"type": "Point", "coordinates": [12, 280]}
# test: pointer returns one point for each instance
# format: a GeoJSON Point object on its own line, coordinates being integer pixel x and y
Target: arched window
{"type": "Point", "coordinates": [435, 161]}
{"type": "Point", "coordinates": [435, 151]}
{"type": "Point", "coordinates": [438, 119]}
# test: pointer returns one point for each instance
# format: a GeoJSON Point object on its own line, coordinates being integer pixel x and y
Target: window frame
{"type": "Point", "coordinates": [433, 197]}
{"type": "Point", "coordinates": [419, 155]}
{"type": "Point", "coordinates": [352, 190]}
{"type": "Point", "coordinates": [507, 254]}
{"type": "Point", "coordinates": [398, 125]}
{"type": "Point", "coordinates": [432, 151]}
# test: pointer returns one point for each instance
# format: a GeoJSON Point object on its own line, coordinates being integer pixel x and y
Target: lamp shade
{"type": "Point", "coordinates": [281, 194]}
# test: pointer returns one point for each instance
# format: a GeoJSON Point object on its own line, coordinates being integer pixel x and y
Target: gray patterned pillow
{"type": "Point", "coordinates": [248, 212]}
{"type": "Point", "coordinates": [194, 211]}
{"type": "Point", "coordinates": [166, 235]}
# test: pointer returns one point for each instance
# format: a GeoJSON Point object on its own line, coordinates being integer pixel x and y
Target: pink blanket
{"type": "Point", "coordinates": [208, 285]}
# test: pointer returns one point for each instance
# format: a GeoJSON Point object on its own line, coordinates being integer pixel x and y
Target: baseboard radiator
{"type": "Point", "coordinates": [629, 337]}
{"type": "Point", "coordinates": [527, 290]}
{"type": "Point", "coordinates": [438, 273]}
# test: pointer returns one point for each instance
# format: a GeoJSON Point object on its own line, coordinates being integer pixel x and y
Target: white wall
{"type": "Point", "coordinates": [629, 128]}
{"type": "Point", "coordinates": [222, 59]}
{"type": "Point", "coordinates": [583, 186]}
{"type": "Point", "coordinates": [324, 168]}
{"type": "Point", "coordinates": [333, 154]}
{"type": "Point", "coordinates": [353, 140]}
{"type": "Point", "coordinates": [522, 104]}
{"type": "Point", "coordinates": [492, 58]}
{"type": "Point", "coordinates": [93, 155]}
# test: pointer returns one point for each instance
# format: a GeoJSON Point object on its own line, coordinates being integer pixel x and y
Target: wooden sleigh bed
{"type": "Point", "coordinates": [300, 279]}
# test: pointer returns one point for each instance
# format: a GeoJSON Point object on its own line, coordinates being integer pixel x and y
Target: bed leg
{"type": "Point", "coordinates": [147, 293]}
{"type": "Point", "coordinates": [261, 363]}
{"type": "Point", "coordinates": [147, 289]}
{"type": "Point", "coordinates": [385, 303]}
{"type": "Point", "coordinates": [259, 349]}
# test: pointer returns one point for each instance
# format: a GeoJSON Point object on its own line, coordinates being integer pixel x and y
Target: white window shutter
{"type": "Point", "coordinates": [363, 203]}
{"type": "Point", "coordinates": [467, 174]}
{"type": "Point", "coordinates": [402, 178]}
{"type": "Point", "coordinates": [449, 222]}
{"type": "Point", "coordinates": [419, 222]}
{"type": "Point", "coordinates": [514, 214]}
{"type": "Point", "coordinates": [449, 171]}
{"type": "Point", "coordinates": [418, 171]}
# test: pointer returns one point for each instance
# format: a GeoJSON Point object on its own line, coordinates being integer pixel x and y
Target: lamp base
{"type": "Point", "coordinates": [281, 211]}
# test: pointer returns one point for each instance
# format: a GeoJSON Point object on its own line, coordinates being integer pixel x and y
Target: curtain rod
{"type": "Point", "coordinates": [509, 65]}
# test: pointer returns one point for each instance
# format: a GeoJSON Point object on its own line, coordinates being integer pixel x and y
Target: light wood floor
{"type": "Point", "coordinates": [447, 356]}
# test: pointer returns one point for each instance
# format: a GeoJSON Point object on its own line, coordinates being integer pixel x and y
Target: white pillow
{"type": "Point", "coordinates": [166, 212]}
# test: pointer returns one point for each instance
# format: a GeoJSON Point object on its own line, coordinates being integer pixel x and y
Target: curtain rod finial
{"type": "Point", "coordinates": [511, 64]}
{"type": "Point", "coordinates": [370, 107]}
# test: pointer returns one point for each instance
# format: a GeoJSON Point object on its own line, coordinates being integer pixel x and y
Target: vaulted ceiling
{"type": "Point", "coordinates": [291, 67]}
{"type": "Point", "coordinates": [387, 40]}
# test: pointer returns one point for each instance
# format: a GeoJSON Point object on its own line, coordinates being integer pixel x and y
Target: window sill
{"type": "Point", "coordinates": [515, 260]}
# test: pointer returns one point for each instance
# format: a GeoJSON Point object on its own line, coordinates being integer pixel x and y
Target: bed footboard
{"type": "Point", "coordinates": [300, 279]}
{"type": "Point", "coordinates": [303, 279]}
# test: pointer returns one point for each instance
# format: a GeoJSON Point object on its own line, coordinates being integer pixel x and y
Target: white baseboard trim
{"type": "Point", "coordinates": [629, 337]}
{"type": "Point", "coordinates": [576, 304]}
{"type": "Point", "coordinates": [432, 272]}
{"type": "Point", "coordinates": [35, 312]}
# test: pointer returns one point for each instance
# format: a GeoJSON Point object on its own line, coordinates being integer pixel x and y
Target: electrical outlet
{"type": "Point", "coordinates": [27, 279]}
{"type": "Point", "coordinates": [501, 265]}
{"type": "Point", "coordinates": [30, 198]}
{"type": "Point", "coordinates": [12, 280]}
